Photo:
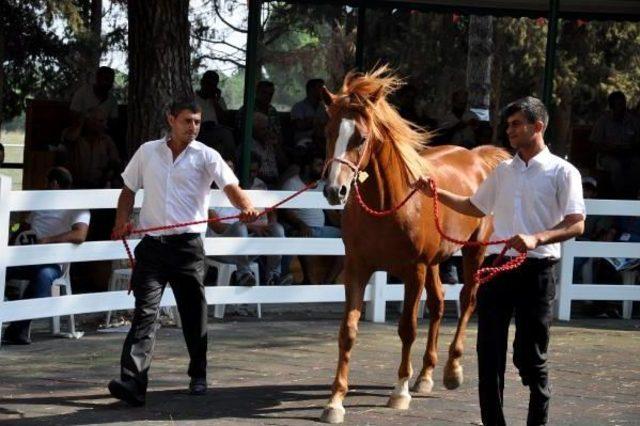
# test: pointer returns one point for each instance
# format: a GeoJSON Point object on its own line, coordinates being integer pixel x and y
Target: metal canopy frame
{"type": "Point", "coordinates": [553, 10]}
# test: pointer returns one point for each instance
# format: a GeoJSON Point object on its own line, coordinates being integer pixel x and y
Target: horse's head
{"type": "Point", "coordinates": [347, 142]}
{"type": "Point", "coordinates": [360, 122]}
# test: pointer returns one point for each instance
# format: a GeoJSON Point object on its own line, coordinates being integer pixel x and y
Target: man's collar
{"type": "Point", "coordinates": [540, 158]}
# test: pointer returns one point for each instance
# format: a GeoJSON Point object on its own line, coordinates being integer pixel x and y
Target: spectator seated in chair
{"type": "Point", "coordinates": [46, 227]}
{"type": "Point", "coordinates": [311, 223]}
{"type": "Point", "coordinates": [265, 226]}
{"type": "Point", "coordinates": [212, 132]}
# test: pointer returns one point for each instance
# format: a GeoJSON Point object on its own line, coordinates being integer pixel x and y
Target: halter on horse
{"type": "Point", "coordinates": [369, 141]}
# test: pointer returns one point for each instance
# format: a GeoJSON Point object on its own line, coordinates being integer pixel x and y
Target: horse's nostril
{"type": "Point", "coordinates": [343, 190]}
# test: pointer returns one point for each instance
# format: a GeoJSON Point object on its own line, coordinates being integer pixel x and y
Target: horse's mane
{"type": "Point", "coordinates": [368, 91]}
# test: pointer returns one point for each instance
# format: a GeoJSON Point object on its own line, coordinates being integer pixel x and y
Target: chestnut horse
{"type": "Point", "coordinates": [365, 130]}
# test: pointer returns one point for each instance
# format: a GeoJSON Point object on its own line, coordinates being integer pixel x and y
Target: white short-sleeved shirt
{"type": "Point", "coordinates": [310, 217]}
{"type": "Point", "coordinates": [47, 223]}
{"type": "Point", "coordinates": [85, 99]}
{"type": "Point", "coordinates": [208, 110]}
{"type": "Point", "coordinates": [176, 191]}
{"type": "Point", "coordinates": [527, 199]}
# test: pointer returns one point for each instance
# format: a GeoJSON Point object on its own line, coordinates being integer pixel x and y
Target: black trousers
{"type": "Point", "coordinates": [179, 260]}
{"type": "Point", "coordinates": [527, 293]}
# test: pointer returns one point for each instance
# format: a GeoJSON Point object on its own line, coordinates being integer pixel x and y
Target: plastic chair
{"type": "Point", "coordinates": [62, 286]}
{"type": "Point", "coordinates": [120, 280]}
{"type": "Point", "coordinates": [224, 279]}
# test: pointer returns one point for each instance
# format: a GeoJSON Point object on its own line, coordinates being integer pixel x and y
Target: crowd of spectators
{"type": "Point", "coordinates": [288, 152]}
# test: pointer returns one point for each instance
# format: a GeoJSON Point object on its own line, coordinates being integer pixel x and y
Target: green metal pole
{"type": "Point", "coordinates": [550, 56]}
{"type": "Point", "coordinates": [360, 31]}
{"type": "Point", "coordinates": [250, 87]}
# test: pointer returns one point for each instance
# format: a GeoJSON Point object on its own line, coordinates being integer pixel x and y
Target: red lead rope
{"type": "Point", "coordinates": [197, 222]}
{"type": "Point", "coordinates": [482, 275]}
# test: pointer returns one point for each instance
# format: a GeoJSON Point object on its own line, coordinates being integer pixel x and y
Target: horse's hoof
{"type": "Point", "coordinates": [332, 415]}
{"type": "Point", "coordinates": [399, 402]}
{"type": "Point", "coordinates": [453, 377]}
{"type": "Point", "coordinates": [423, 386]}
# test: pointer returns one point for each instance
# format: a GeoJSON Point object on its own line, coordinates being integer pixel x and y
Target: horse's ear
{"type": "Point", "coordinates": [327, 96]}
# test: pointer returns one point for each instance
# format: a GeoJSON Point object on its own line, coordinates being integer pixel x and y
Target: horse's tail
{"type": "Point", "coordinates": [491, 155]}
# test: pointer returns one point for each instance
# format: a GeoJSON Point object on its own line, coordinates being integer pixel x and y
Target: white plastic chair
{"type": "Point", "coordinates": [62, 286]}
{"type": "Point", "coordinates": [120, 280]}
{"type": "Point", "coordinates": [224, 279]}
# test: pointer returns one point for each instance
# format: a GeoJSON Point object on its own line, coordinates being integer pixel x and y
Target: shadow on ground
{"type": "Point", "coordinates": [249, 402]}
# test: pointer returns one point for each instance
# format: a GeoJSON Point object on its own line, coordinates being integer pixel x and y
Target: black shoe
{"type": "Point", "coordinates": [198, 386]}
{"type": "Point", "coordinates": [125, 391]}
{"type": "Point", "coordinates": [12, 336]}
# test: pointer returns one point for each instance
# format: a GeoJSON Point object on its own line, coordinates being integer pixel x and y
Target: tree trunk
{"type": "Point", "coordinates": [95, 28]}
{"type": "Point", "coordinates": [159, 65]}
{"type": "Point", "coordinates": [479, 59]}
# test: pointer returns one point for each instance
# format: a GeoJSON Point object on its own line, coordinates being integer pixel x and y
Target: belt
{"type": "Point", "coordinates": [173, 237]}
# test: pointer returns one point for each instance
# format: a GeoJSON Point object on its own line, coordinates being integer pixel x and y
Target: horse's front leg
{"type": "Point", "coordinates": [355, 282]}
{"type": "Point", "coordinates": [407, 330]}
{"type": "Point", "coordinates": [472, 259]}
{"type": "Point", "coordinates": [435, 301]}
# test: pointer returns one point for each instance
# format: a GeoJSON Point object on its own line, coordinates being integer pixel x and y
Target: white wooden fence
{"type": "Point", "coordinates": [378, 292]}
{"type": "Point", "coordinates": [572, 249]}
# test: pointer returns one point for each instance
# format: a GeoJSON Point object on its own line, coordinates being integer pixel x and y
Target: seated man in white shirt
{"type": "Point", "coordinates": [310, 223]}
{"type": "Point", "coordinates": [47, 226]}
{"type": "Point", "coordinates": [265, 226]}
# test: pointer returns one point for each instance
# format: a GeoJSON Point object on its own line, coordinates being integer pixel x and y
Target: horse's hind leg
{"type": "Point", "coordinates": [407, 329]}
{"type": "Point", "coordinates": [435, 301]}
{"type": "Point", "coordinates": [472, 259]}
{"type": "Point", "coordinates": [355, 282]}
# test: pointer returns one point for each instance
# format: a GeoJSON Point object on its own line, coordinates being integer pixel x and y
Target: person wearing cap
{"type": "Point", "coordinates": [536, 201]}
{"type": "Point", "coordinates": [176, 173]}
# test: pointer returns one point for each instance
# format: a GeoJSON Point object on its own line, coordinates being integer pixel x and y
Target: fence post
{"type": "Point", "coordinates": [377, 307]}
{"type": "Point", "coordinates": [5, 209]}
{"type": "Point", "coordinates": [566, 281]}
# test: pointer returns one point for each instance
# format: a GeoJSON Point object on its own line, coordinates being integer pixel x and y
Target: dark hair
{"type": "Point", "coordinates": [313, 83]}
{"type": "Point", "coordinates": [264, 83]}
{"type": "Point", "coordinates": [211, 73]}
{"type": "Point", "coordinates": [106, 70]}
{"type": "Point", "coordinates": [615, 96]}
{"type": "Point", "coordinates": [532, 108]}
{"type": "Point", "coordinates": [60, 175]}
{"type": "Point", "coordinates": [1, 147]}
{"type": "Point", "coordinates": [180, 105]}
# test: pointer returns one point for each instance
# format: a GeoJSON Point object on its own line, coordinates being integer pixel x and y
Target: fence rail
{"type": "Point", "coordinates": [378, 292]}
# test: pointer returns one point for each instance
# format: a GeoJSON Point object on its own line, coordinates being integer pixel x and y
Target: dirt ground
{"type": "Point", "coordinates": [278, 371]}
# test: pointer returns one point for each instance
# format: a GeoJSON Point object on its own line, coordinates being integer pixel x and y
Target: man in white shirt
{"type": "Point", "coordinates": [309, 116]}
{"type": "Point", "coordinates": [176, 173]}
{"type": "Point", "coordinates": [98, 95]}
{"type": "Point", "coordinates": [536, 200]}
{"type": "Point", "coordinates": [46, 227]}
{"type": "Point", "coordinates": [310, 223]}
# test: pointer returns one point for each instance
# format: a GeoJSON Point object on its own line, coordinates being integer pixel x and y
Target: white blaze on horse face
{"type": "Point", "coordinates": [347, 128]}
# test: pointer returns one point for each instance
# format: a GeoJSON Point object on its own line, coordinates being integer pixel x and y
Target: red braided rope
{"type": "Point", "coordinates": [482, 275]}
{"type": "Point", "coordinates": [131, 230]}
